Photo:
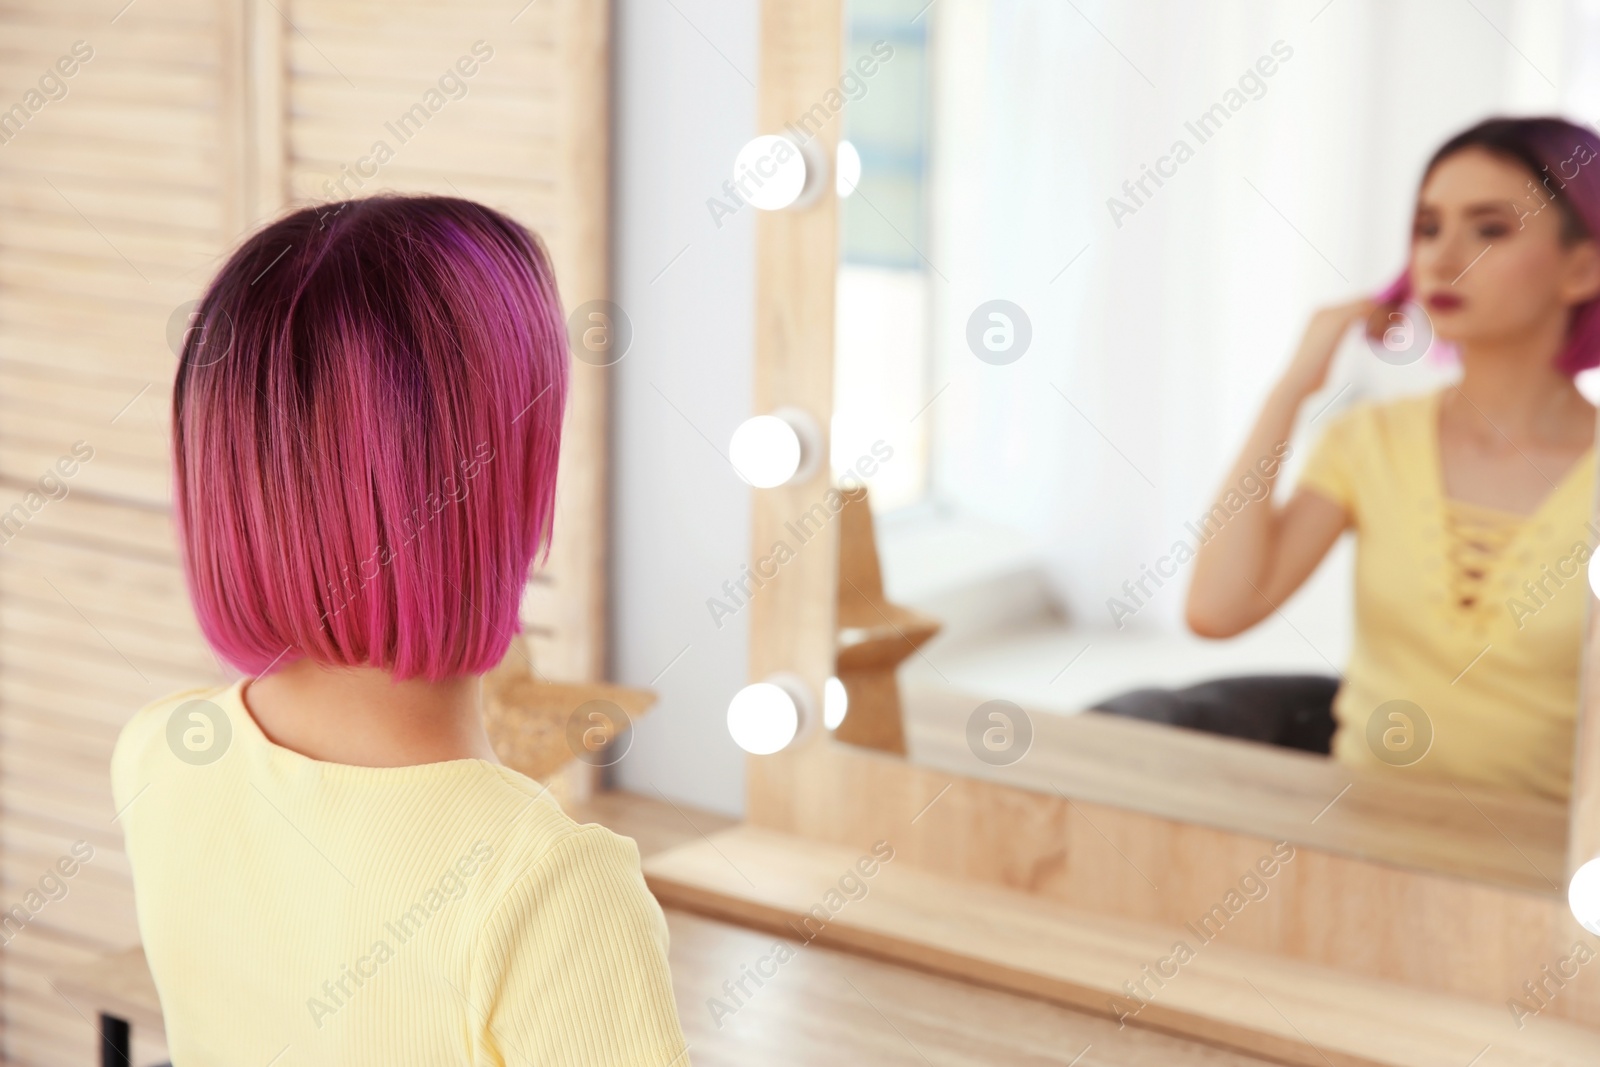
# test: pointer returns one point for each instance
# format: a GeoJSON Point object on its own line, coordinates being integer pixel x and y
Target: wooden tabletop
{"type": "Point", "coordinates": [822, 1007]}
{"type": "Point", "coordinates": [827, 1007]}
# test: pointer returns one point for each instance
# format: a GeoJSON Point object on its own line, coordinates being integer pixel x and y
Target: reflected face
{"type": "Point", "coordinates": [1487, 256]}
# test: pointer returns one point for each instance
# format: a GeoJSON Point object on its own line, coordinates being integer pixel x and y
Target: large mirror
{"type": "Point", "coordinates": [1222, 376]}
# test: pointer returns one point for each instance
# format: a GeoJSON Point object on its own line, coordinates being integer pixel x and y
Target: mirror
{"type": "Point", "coordinates": [1132, 438]}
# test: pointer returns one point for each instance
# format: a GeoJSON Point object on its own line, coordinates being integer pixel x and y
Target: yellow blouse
{"type": "Point", "coordinates": [302, 913]}
{"type": "Point", "coordinates": [1469, 620]}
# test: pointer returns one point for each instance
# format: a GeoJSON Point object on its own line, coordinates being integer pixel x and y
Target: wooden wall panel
{"type": "Point", "coordinates": [110, 209]}
{"type": "Point", "coordinates": [194, 122]}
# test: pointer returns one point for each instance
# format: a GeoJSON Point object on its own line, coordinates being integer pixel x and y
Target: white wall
{"type": "Point", "coordinates": [684, 103]}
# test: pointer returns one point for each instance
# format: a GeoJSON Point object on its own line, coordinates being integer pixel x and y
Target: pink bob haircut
{"type": "Point", "coordinates": [366, 426]}
{"type": "Point", "coordinates": [1563, 163]}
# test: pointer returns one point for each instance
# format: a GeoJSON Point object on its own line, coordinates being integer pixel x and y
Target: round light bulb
{"type": "Point", "coordinates": [1583, 896]}
{"type": "Point", "coordinates": [1588, 383]}
{"type": "Point", "coordinates": [771, 172]}
{"type": "Point", "coordinates": [847, 169]}
{"type": "Point", "coordinates": [763, 718]}
{"type": "Point", "coordinates": [772, 450]}
{"type": "Point", "coordinates": [835, 703]}
{"type": "Point", "coordinates": [765, 451]}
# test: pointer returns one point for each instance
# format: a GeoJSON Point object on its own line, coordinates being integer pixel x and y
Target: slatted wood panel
{"type": "Point", "coordinates": [194, 121]}
{"type": "Point", "coordinates": [111, 206]}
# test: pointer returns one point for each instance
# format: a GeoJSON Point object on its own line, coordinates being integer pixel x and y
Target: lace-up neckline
{"type": "Point", "coordinates": [1475, 540]}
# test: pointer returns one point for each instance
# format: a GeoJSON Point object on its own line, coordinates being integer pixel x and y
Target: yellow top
{"type": "Point", "coordinates": [296, 912]}
{"type": "Point", "coordinates": [1469, 620]}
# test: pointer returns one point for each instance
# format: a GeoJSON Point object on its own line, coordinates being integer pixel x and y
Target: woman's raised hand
{"type": "Point", "coordinates": [1309, 368]}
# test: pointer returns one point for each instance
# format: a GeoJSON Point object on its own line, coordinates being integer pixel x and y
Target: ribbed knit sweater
{"type": "Point", "coordinates": [296, 912]}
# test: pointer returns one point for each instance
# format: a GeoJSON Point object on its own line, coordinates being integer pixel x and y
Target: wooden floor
{"type": "Point", "coordinates": [822, 1007]}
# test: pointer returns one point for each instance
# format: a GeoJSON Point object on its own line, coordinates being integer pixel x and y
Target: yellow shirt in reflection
{"type": "Point", "coordinates": [297, 912]}
{"type": "Point", "coordinates": [1469, 621]}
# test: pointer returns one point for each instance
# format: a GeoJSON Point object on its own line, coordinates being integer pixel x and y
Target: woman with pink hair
{"type": "Point", "coordinates": [330, 864]}
{"type": "Point", "coordinates": [1470, 505]}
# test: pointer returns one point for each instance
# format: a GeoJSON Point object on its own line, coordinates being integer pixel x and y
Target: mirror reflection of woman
{"type": "Point", "coordinates": [1470, 505]}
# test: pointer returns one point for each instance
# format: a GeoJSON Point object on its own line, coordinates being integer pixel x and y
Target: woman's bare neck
{"type": "Point", "coordinates": [361, 716]}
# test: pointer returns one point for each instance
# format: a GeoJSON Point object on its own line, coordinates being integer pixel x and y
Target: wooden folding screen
{"type": "Point", "coordinates": [183, 125]}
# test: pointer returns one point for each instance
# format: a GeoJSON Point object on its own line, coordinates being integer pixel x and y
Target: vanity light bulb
{"type": "Point", "coordinates": [1583, 896]}
{"type": "Point", "coordinates": [1588, 383]}
{"type": "Point", "coordinates": [765, 451]}
{"type": "Point", "coordinates": [835, 703]}
{"type": "Point", "coordinates": [763, 718]}
{"type": "Point", "coordinates": [847, 169]}
{"type": "Point", "coordinates": [772, 450]}
{"type": "Point", "coordinates": [771, 173]}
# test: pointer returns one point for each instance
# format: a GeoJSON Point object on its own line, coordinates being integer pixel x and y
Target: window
{"type": "Point", "coordinates": [881, 343]}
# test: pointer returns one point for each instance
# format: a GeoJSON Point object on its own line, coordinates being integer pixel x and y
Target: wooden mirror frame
{"type": "Point", "coordinates": [1342, 905]}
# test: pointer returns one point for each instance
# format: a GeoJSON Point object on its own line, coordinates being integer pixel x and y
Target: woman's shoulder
{"type": "Point", "coordinates": [540, 834]}
{"type": "Point", "coordinates": [1384, 424]}
{"type": "Point", "coordinates": [152, 714]}
{"type": "Point", "coordinates": [155, 725]}
{"type": "Point", "coordinates": [1388, 412]}
{"type": "Point", "coordinates": [549, 867]}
